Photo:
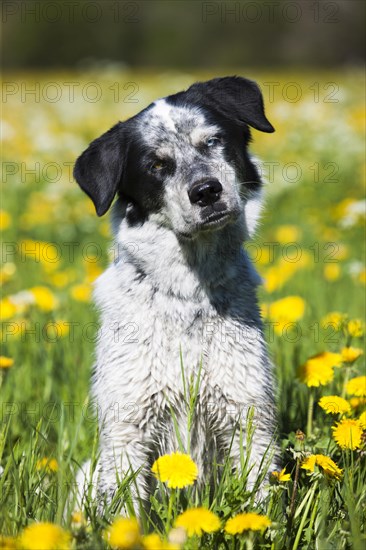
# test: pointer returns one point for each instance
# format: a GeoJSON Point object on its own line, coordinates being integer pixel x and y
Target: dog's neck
{"type": "Point", "coordinates": [181, 267]}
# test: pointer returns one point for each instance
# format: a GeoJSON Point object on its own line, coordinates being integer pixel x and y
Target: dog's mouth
{"type": "Point", "coordinates": [216, 219]}
{"type": "Point", "coordinates": [212, 222]}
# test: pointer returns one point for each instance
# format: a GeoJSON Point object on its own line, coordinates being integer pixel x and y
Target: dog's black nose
{"type": "Point", "coordinates": [205, 192]}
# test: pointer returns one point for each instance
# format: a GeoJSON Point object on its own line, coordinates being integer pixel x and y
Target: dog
{"type": "Point", "coordinates": [179, 300]}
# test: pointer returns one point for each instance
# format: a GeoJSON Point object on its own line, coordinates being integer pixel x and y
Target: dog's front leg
{"type": "Point", "coordinates": [123, 456]}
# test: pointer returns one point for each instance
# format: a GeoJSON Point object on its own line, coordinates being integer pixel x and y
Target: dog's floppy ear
{"type": "Point", "coordinates": [99, 168]}
{"type": "Point", "coordinates": [235, 97]}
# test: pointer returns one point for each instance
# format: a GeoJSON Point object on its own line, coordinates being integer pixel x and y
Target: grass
{"type": "Point", "coordinates": [45, 410]}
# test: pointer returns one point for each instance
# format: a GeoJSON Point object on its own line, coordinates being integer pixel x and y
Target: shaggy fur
{"type": "Point", "coordinates": [181, 289]}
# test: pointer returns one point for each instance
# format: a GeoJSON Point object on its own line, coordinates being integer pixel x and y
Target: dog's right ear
{"type": "Point", "coordinates": [234, 97]}
{"type": "Point", "coordinates": [99, 168]}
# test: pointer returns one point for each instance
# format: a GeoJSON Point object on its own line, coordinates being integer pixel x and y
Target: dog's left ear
{"type": "Point", "coordinates": [234, 97]}
{"type": "Point", "coordinates": [99, 168]}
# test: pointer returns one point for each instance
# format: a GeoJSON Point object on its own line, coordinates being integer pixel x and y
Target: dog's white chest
{"type": "Point", "coordinates": [151, 342]}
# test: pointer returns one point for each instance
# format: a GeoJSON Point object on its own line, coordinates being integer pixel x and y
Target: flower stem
{"type": "Point", "coordinates": [345, 382]}
{"type": "Point", "coordinates": [170, 509]}
{"type": "Point", "coordinates": [249, 542]}
{"type": "Point", "coordinates": [309, 425]}
{"type": "Point", "coordinates": [304, 517]}
{"type": "Point", "coordinates": [293, 498]}
{"type": "Point", "coordinates": [270, 505]}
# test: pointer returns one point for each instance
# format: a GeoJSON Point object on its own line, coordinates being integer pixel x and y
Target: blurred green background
{"type": "Point", "coordinates": [183, 34]}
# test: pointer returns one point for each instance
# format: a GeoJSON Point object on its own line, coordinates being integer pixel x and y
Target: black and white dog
{"type": "Point", "coordinates": [182, 290]}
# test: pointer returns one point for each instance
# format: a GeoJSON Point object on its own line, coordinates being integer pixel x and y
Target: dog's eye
{"type": "Point", "coordinates": [158, 165]}
{"type": "Point", "coordinates": [212, 141]}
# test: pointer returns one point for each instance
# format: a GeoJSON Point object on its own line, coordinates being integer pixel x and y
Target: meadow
{"type": "Point", "coordinates": [309, 250]}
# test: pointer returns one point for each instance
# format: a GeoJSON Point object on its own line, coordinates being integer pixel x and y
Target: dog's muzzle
{"type": "Point", "coordinates": [205, 192]}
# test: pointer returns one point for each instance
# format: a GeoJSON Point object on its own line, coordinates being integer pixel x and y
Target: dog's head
{"type": "Point", "coordinates": [182, 161]}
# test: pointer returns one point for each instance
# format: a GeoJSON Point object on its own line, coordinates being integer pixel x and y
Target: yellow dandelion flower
{"type": "Point", "coordinates": [44, 536]}
{"type": "Point", "coordinates": [272, 281]}
{"type": "Point", "coordinates": [348, 433]}
{"type": "Point", "coordinates": [7, 272]}
{"type": "Point", "coordinates": [104, 229]}
{"type": "Point", "coordinates": [329, 467]}
{"type": "Point", "coordinates": [362, 276]}
{"type": "Point", "coordinates": [276, 276]}
{"type": "Point", "coordinates": [50, 257]}
{"type": "Point", "coordinates": [59, 279]}
{"type": "Point", "coordinates": [56, 330]}
{"type": "Point", "coordinates": [332, 272]}
{"type": "Point", "coordinates": [357, 402]}
{"type": "Point", "coordinates": [123, 533]}
{"type": "Point", "coordinates": [313, 374]}
{"type": "Point", "coordinates": [349, 355]}
{"type": "Point", "coordinates": [77, 519]}
{"type": "Point", "coordinates": [6, 362]}
{"type": "Point", "coordinates": [42, 252]}
{"type": "Point", "coordinates": [306, 260]}
{"type": "Point", "coordinates": [196, 521]}
{"type": "Point", "coordinates": [150, 542]}
{"type": "Point", "coordinates": [355, 328]}
{"type": "Point", "coordinates": [362, 420]}
{"type": "Point", "coordinates": [262, 256]}
{"type": "Point", "coordinates": [20, 301]}
{"type": "Point", "coordinates": [247, 522]}
{"type": "Point", "coordinates": [285, 311]}
{"type": "Point", "coordinates": [340, 210]}
{"type": "Point", "coordinates": [89, 207]}
{"type": "Point", "coordinates": [93, 270]}
{"type": "Point", "coordinates": [281, 476]}
{"type": "Point", "coordinates": [8, 543]}
{"type": "Point", "coordinates": [47, 464]}
{"type": "Point", "coordinates": [333, 404]}
{"type": "Point", "coordinates": [318, 369]}
{"type": "Point", "coordinates": [291, 308]}
{"type": "Point", "coordinates": [341, 253]}
{"type": "Point", "coordinates": [154, 542]}
{"type": "Point", "coordinates": [328, 233]}
{"type": "Point", "coordinates": [334, 319]}
{"type": "Point", "coordinates": [309, 463]}
{"type": "Point", "coordinates": [81, 293]}
{"type": "Point", "coordinates": [177, 469]}
{"type": "Point", "coordinates": [5, 220]}
{"type": "Point", "coordinates": [7, 309]}
{"type": "Point", "coordinates": [287, 234]}
{"type": "Point", "coordinates": [44, 298]}
{"type": "Point", "coordinates": [328, 358]}
{"type": "Point", "coordinates": [357, 386]}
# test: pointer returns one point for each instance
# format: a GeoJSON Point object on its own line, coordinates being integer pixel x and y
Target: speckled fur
{"type": "Point", "coordinates": [179, 291]}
